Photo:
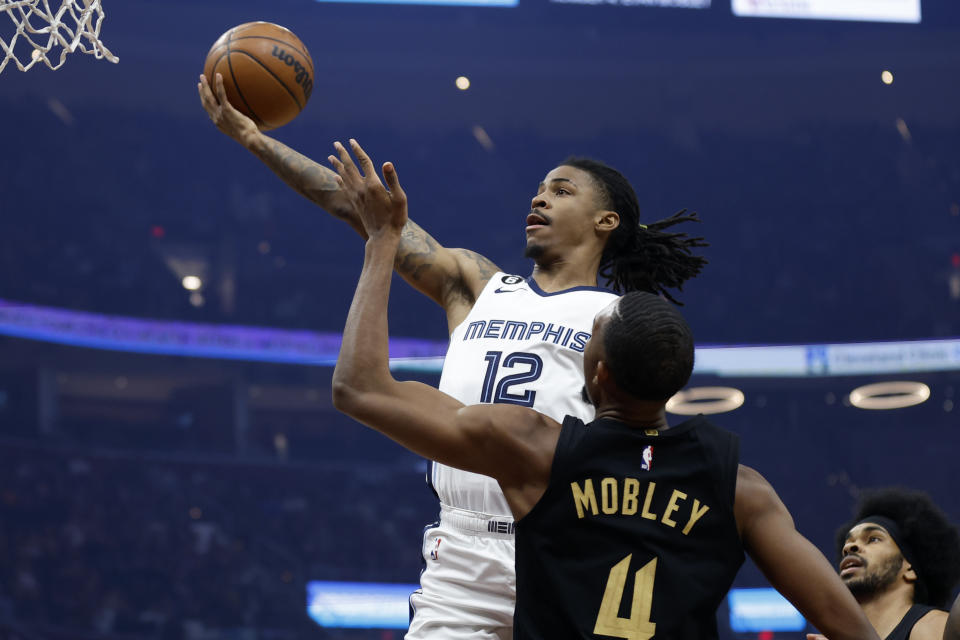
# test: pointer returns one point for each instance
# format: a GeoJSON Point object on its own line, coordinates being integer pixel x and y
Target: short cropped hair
{"type": "Point", "coordinates": [649, 347]}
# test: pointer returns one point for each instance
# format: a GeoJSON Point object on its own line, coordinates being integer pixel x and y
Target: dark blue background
{"type": "Point", "coordinates": [827, 223]}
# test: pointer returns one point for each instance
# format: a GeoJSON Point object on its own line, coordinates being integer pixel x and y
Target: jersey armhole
{"type": "Point", "coordinates": [726, 467]}
{"type": "Point", "coordinates": [483, 291]}
{"type": "Point", "coordinates": [731, 469]}
{"type": "Point", "coordinates": [559, 462]}
{"type": "Point", "coordinates": [564, 447]}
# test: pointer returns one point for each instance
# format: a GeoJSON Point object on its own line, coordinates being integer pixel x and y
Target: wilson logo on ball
{"type": "Point", "coordinates": [300, 72]}
{"type": "Point", "coordinates": [267, 72]}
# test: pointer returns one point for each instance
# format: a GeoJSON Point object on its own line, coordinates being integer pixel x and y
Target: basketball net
{"type": "Point", "coordinates": [40, 32]}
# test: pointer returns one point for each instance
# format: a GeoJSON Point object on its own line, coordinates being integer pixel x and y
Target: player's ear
{"type": "Point", "coordinates": [909, 574]}
{"type": "Point", "coordinates": [608, 221]}
{"type": "Point", "coordinates": [601, 374]}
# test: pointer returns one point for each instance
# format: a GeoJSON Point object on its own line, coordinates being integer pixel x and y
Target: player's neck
{"type": "Point", "coordinates": [885, 609]}
{"type": "Point", "coordinates": [562, 273]}
{"type": "Point", "coordinates": [641, 415]}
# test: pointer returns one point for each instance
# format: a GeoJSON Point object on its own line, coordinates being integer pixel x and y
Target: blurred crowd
{"type": "Point", "coordinates": [104, 545]}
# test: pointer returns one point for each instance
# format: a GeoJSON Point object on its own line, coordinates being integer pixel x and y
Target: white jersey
{"type": "Point", "coordinates": [518, 345]}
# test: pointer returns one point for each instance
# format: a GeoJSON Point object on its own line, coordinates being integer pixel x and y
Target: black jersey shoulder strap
{"type": "Point", "coordinates": [913, 615]}
{"type": "Point", "coordinates": [724, 448]}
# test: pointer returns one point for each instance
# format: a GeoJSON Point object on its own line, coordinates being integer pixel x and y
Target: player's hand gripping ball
{"type": "Point", "coordinates": [267, 72]}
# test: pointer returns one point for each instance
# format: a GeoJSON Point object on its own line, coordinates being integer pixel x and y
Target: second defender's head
{"type": "Point", "coordinates": [641, 349]}
{"type": "Point", "coordinates": [899, 539]}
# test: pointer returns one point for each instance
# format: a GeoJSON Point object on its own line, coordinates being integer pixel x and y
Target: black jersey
{"type": "Point", "coordinates": [913, 615]}
{"type": "Point", "coordinates": [635, 536]}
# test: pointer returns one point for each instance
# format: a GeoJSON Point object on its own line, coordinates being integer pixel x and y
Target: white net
{"type": "Point", "coordinates": [44, 34]}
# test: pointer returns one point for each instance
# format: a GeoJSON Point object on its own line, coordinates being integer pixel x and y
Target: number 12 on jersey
{"type": "Point", "coordinates": [499, 392]}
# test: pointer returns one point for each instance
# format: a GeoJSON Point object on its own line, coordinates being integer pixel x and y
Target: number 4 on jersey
{"type": "Point", "coordinates": [638, 626]}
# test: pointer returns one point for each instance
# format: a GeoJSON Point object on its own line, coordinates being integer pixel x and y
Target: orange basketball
{"type": "Point", "coordinates": [267, 72]}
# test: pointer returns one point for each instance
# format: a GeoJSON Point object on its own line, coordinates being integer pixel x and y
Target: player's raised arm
{"type": "Point", "coordinates": [311, 180]}
{"type": "Point", "coordinates": [451, 277]}
{"type": "Point", "coordinates": [792, 564]}
{"type": "Point", "coordinates": [489, 439]}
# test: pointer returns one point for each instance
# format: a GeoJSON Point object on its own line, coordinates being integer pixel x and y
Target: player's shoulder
{"type": "Point", "coordinates": [930, 626]}
{"type": "Point", "coordinates": [751, 479]}
{"type": "Point", "coordinates": [755, 501]}
{"type": "Point", "coordinates": [522, 294]}
{"type": "Point", "coordinates": [503, 287]}
{"type": "Point", "coordinates": [504, 280]}
{"type": "Point", "coordinates": [518, 282]}
{"type": "Point", "coordinates": [580, 291]}
{"type": "Point", "coordinates": [722, 442]}
{"type": "Point", "coordinates": [753, 492]}
{"type": "Point", "coordinates": [701, 424]}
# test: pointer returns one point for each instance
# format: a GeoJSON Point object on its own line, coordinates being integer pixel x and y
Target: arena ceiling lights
{"type": "Point", "coordinates": [889, 395]}
{"type": "Point", "coordinates": [705, 400]}
{"type": "Point", "coordinates": [878, 396]}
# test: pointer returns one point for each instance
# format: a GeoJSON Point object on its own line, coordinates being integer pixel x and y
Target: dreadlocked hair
{"type": "Point", "coordinates": [934, 542]}
{"type": "Point", "coordinates": [641, 257]}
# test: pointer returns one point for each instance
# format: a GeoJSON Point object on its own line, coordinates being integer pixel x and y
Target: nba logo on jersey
{"type": "Point", "coordinates": [647, 464]}
{"type": "Point", "coordinates": [435, 554]}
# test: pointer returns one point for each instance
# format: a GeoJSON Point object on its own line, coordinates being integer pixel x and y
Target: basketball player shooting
{"type": "Point", "coordinates": [514, 340]}
{"type": "Point", "coordinates": [628, 508]}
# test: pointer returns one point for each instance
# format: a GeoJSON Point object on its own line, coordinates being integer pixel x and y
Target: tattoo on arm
{"type": "Point", "coordinates": [417, 253]}
{"type": "Point", "coordinates": [310, 179]}
{"type": "Point", "coordinates": [460, 287]}
{"type": "Point", "coordinates": [485, 267]}
{"type": "Point", "coordinates": [440, 277]}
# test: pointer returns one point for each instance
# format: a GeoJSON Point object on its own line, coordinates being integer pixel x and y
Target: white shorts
{"type": "Point", "coordinates": [468, 587]}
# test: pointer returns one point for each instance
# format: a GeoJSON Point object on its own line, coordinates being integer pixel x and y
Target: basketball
{"type": "Point", "coordinates": [267, 72]}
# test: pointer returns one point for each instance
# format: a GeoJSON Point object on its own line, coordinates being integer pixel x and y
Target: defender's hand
{"type": "Point", "coordinates": [228, 120]}
{"type": "Point", "coordinates": [381, 209]}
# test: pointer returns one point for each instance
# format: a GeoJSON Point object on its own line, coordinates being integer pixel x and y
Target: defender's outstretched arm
{"type": "Point", "coordinates": [453, 278]}
{"type": "Point", "coordinates": [792, 564]}
{"type": "Point", "coordinates": [509, 443]}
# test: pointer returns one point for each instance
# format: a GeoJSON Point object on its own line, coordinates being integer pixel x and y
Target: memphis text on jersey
{"type": "Point", "coordinates": [631, 497]}
{"type": "Point", "coordinates": [520, 330]}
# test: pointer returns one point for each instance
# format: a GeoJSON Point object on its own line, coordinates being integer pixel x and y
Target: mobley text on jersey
{"type": "Point", "coordinates": [622, 496]}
